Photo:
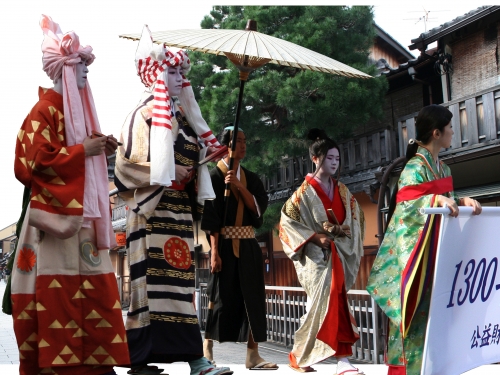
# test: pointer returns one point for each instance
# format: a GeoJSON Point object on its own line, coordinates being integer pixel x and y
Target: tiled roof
{"type": "Point", "coordinates": [389, 71]}
{"type": "Point", "coordinates": [448, 27]}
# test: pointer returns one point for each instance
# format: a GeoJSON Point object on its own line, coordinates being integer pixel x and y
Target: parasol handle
{"type": "Point", "coordinates": [244, 69]}
{"type": "Point", "coordinates": [251, 25]}
{"type": "Point", "coordinates": [244, 72]}
{"type": "Point", "coordinates": [234, 138]}
{"type": "Point", "coordinates": [227, 191]}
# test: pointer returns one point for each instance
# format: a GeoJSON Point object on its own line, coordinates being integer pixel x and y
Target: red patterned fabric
{"type": "Point", "coordinates": [54, 171]}
{"type": "Point", "coordinates": [65, 303]}
{"type": "Point", "coordinates": [336, 329]}
{"type": "Point", "coordinates": [57, 328]}
{"type": "Point", "coordinates": [61, 53]}
{"type": "Point", "coordinates": [149, 69]}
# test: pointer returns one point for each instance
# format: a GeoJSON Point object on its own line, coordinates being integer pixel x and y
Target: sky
{"type": "Point", "coordinates": [112, 77]}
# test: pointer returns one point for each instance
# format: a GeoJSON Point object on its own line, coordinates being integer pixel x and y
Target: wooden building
{"type": "Point", "coordinates": [8, 241]}
{"type": "Point", "coordinates": [462, 73]}
{"type": "Point", "coordinates": [467, 63]}
{"type": "Point", "coordinates": [373, 146]}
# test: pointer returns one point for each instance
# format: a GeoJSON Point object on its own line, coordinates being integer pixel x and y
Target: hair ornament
{"type": "Point", "coordinates": [413, 141]}
{"type": "Point", "coordinates": [316, 134]}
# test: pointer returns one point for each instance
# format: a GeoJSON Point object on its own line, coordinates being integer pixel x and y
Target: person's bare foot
{"type": "Point", "coordinates": [208, 350]}
{"type": "Point", "coordinates": [256, 362]}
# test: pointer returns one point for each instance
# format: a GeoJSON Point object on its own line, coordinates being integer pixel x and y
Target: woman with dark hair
{"type": "Point", "coordinates": [322, 231]}
{"type": "Point", "coordinates": [424, 182]}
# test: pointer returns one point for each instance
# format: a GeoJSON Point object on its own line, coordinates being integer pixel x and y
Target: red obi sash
{"type": "Point", "coordinates": [336, 205]}
{"type": "Point", "coordinates": [440, 186]}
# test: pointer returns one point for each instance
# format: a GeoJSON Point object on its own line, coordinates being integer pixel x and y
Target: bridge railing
{"type": "Point", "coordinates": [286, 305]}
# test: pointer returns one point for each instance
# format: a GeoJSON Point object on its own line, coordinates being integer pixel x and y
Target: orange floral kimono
{"type": "Point", "coordinates": [65, 303]}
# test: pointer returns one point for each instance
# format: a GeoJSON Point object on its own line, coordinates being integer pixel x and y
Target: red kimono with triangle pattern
{"type": "Point", "coordinates": [66, 308]}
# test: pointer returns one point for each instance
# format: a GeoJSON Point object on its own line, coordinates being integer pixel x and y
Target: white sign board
{"type": "Point", "coordinates": [463, 330]}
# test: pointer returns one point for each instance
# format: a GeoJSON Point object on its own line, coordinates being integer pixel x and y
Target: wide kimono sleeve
{"type": "Point", "coordinates": [211, 221]}
{"type": "Point", "coordinates": [53, 171]}
{"type": "Point", "coordinates": [452, 194]}
{"type": "Point", "coordinates": [132, 168]}
{"type": "Point", "coordinates": [401, 236]}
{"type": "Point", "coordinates": [256, 188]}
{"type": "Point", "coordinates": [350, 250]}
{"type": "Point", "coordinates": [294, 229]}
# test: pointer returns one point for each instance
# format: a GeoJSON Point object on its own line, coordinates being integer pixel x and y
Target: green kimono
{"type": "Point", "coordinates": [384, 283]}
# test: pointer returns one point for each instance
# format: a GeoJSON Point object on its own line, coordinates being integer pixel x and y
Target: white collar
{"type": "Point", "coordinates": [237, 172]}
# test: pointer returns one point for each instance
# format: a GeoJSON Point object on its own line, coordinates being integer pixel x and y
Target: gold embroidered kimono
{"type": "Point", "coordinates": [302, 216]}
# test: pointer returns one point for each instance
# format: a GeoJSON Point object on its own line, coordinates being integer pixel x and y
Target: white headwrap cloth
{"type": "Point", "coordinates": [152, 62]}
{"type": "Point", "coordinates": [61, 53]}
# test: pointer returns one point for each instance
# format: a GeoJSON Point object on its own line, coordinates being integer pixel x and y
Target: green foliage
{"type": "Point", "coordinates": [271, 218]}
{"type": "Point", "coordinates": [280, 104]}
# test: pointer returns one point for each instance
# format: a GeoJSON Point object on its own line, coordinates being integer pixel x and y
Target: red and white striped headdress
{"type": "Point", "coordinates": [152, 62]}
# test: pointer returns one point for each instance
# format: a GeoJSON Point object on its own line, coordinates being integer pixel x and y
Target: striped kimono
{"type": "Point", "coordinates": [162, 326]}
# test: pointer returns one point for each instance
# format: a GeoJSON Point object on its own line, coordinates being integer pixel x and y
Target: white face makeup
{"type": "Point", "coordinates": [81, 74]}
{"type": "Point", "coordinates": [174, 80]}
{"type": "Point", "coordinates": [331, 162]}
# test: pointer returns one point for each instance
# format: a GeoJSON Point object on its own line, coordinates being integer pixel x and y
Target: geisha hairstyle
{"type": "Point", "coordinates": [320, 145]}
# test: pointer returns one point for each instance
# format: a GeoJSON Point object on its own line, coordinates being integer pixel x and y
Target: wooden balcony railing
{"type": "Point", "coordinates": [475, 122]}
{"type": "Point", "coordinates": [119, 211]}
